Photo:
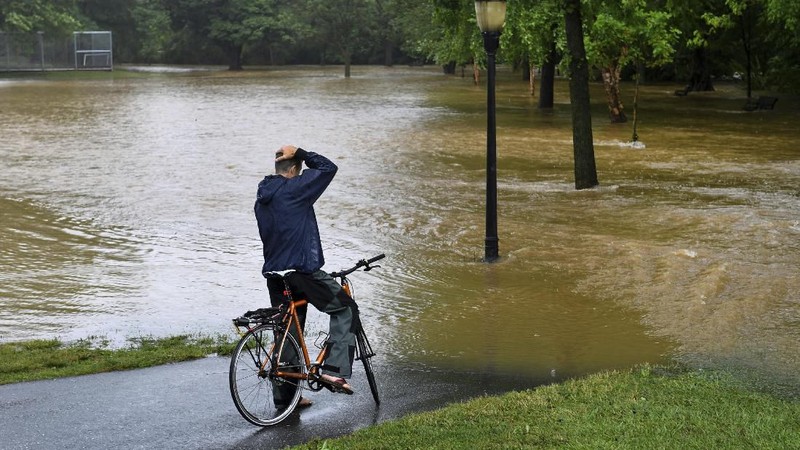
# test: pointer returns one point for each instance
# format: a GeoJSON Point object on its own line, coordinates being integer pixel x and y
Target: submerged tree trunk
{"type": "Point", "coordinates": [235, 57]}
{"type": "Point", "coordinates": [583, 148]}
{"type": "Point", "coordinates": [526, 70]}
{"type": "Point", "coordinates": [548, 78]}
{"type": "Point", "coordinates": [701, 73]}
{"type": "Point", "coordinates": [388, 54]}
{"type": "Point", "coordinates": [347, 62]}
{"type": "Point", "coordinates": [747, 44]}
{"type": "Point", "coordinates": [616, 110]}
{"type": "Point", "coordinates": [635, 137]}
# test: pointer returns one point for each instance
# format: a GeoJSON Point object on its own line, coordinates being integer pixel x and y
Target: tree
{"type": "Point", "coordinates": [459, 41]}
{"type": "Point", "coordinates": [344, 24]}
{"type": "Point", "coordinates": [533, 34]}
{"type": "Point", "coordinates": [387, 12]}
{"type": "Point", "coordinates": [625, 32]}
{"type": "Point", "coordinates": [768, 33]}
{"type": "Point", "coordinates": [583, 147]}
{"type": "Point", "coordinates": [417, 31]}
{"type": "Point", "coordinates": [116, 16]}
{"type": "Point", "coordinates": [230, 24]}
{"type": "Point", "coordinates": [49, 16]}
{"type": "Point", "coordinates": [698, 35]}
{"type": "Point", "coordinates": [153, 31]}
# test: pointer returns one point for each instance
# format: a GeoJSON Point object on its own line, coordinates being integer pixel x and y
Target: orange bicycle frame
{"type": "Point", "coordinates": [292, 320]}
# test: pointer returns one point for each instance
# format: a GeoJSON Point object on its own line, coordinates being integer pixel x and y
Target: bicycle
{"type": "Point", "coordinates": [271, 366]}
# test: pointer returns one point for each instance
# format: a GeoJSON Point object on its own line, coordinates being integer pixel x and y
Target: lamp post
{"type": "Point", "coordinates": [491, 15]}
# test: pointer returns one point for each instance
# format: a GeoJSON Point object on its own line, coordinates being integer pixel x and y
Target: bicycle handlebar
{"type": "Point", "coordinates": [362, 263]}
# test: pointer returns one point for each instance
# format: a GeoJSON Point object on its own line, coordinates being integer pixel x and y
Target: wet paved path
{"type": "Point", "coordinates": [188, 406]}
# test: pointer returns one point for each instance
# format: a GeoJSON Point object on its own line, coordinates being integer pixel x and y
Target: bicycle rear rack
{"type": "Point", "coordinates": [259, 316]}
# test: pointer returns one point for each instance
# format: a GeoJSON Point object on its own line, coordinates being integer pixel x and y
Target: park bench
{"type": "Point", "coordinates": [763, 102]}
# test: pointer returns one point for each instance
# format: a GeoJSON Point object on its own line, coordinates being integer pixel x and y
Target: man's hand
{"type": "Point", "coordinates": [288, 152]}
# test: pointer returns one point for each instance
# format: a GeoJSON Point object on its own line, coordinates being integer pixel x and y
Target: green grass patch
{"type": "Point", "coordinates": [57, 75]}
{"type": "Point", "coordinates": [641, 408]}
{"type": "Point", "coordinates": [45, 359]}
{"type": "Point", "coordinates": [646, 407]}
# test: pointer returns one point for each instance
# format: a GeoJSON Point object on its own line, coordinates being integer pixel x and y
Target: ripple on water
{"type": "Point", "coordinates": [125, 201]}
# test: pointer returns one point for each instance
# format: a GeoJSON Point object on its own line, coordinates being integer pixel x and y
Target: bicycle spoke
{"type": "Point", "coordinates": [261, 397]}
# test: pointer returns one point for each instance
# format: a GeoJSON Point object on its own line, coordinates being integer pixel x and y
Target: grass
{"type": "Point", "coordinates": [45, 359]}
{"type": "Point", "coordinates": [641, 408]}
{"type": "Point", "coordinates": [646, 407]}
{"type": "Point", "coordinates": [58, 75]}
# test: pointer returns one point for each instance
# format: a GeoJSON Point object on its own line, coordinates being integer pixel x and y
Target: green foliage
{"type": "Point", "coordinates": [457, 38]}
{"type": "Point", "coordinates": [660, 33]}
{"type": "Point", "coordinates": [787, 14]}
{"type": "Point", "coordinates": [629, 31]}
{"type": "Point", "coordinates": [531, 27]}
{"type": "Point", "coordinates": [346, 25]}
{"type": "Point", "coordinates": [152, 25]}
{"type": "Point", "coordinates": [50, 16]}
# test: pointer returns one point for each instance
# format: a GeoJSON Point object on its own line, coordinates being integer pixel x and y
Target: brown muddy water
{"type": "Point", "coordinates": [127, 211]}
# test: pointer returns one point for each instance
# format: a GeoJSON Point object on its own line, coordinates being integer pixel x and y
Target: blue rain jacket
{"type": "Point", "coordinates": [285, 214]}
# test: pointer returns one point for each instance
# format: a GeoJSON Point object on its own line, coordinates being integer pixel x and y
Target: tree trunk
{"type": "Point", "coordinates": [548, 79]}
{"type": "Point", "coordinates": [583, 147]}
{"type": "Point", "coordinates": [347, 62]}
{"type": "Point", "coordinates": [449, 68]}
{"type": "Point", "coordinates": [476, 73]}
{"type": "Point", "coordinates": [235, 55]}
{"type": "Point", "coordinates": [747, 34]}
{"type": "Point", "coordinates": [616, 109]}
{"type": "Point", "coordinates": [526, 70]}
{"type": "Point", "coordinates": [532, 80]}
{"type": "Point", "coordinates": [635, 137]}
{"type": "Point", "coordinates": [388, 54]}
{"type": "Point", "coordinates": [701, 74]}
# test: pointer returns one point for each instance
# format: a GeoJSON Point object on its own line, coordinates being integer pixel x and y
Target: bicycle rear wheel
{"type": "Point", "coordinates": [365, 353]}
{"type": "Point", "coordinates": [260, 397]}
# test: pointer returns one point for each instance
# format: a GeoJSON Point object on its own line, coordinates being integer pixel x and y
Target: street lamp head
{"type": "Point", "coordinates": [491, 15]}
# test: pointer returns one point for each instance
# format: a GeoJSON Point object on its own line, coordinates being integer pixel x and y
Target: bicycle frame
{"type": "Point", "coordinates": [292, 320]}
{"type": "Point", "coordinates": [258, 368]}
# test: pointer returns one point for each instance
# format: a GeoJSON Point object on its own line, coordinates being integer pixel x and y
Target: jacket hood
{"type": "Point", "coordinates": [268, 187]}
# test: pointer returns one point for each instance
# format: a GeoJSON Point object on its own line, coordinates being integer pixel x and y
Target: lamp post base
{"type": "Point", "coordinates": [492, 251]}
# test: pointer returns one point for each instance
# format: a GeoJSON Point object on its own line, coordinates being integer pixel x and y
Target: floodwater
{"type": "Point", "coordinates": [127, 211]}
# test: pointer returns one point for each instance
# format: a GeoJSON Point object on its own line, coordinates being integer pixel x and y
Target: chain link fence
{"type": "Point", "coordinates": [40, 51]}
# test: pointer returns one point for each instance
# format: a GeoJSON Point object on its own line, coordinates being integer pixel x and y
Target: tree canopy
{"type": "Point", "coordinates": [696, 41]}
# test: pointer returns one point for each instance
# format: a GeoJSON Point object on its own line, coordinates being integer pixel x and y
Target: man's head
{"type": "Point", "coordinates": [287, 167]}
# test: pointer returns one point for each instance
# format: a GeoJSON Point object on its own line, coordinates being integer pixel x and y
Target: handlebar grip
{"type": "Point", "coordinates": [377, 258]}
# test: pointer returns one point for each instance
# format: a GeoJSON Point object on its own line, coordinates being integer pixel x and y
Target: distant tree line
{"type": "Point", "coordinates": [693, 41]}
{"type": "Point", "coordinates": [696, 41]}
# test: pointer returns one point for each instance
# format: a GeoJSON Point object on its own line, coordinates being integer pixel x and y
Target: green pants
{"type": "Point", "coordinates": [326, 295]}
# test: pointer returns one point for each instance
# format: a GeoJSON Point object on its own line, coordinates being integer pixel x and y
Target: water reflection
{"type": "Point", "coordinates": [127, 209]}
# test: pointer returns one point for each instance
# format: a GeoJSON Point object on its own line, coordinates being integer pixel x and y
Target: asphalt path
{"type": "Point", "coordinates": [188, 406]}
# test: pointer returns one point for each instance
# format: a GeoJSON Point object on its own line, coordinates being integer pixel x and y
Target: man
{"type": "Point", "coordinates": [287, 224]}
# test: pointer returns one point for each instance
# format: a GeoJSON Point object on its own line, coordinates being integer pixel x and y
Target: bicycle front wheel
{"type": "Point", "coordinates": [365, 354]}
{"type": "Point", "coordinates": [260, 396]}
